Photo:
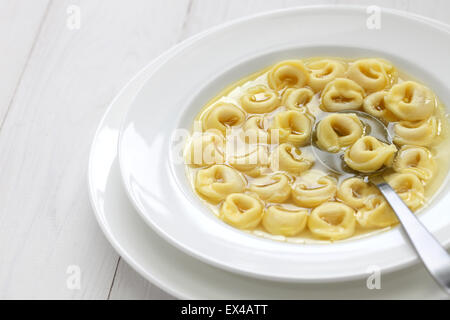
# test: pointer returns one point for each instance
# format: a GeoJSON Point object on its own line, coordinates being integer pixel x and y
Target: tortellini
{"type": "Point", "coordinates": [376, 213]}
{"type": "Point", "coordinates": [408, 187]}
{"type": "Point", "coordinates": [275, 188]}
{"type": "Point", "coordinates": [250, 161]}
{"type": "Point", "coordinates": [419, 133]}
{"type": "Point", "coordinates": [241, 211]}
{"type": "Point", "coordinates": [338, 130]}
{"type": "Point", "coordinates": [289, 73]}
{"type": "Point", "coordinates": [411, 101]}
{"type": "Point", "coordinates": [372, 74]}
{"type": "Point", "coordinates": [416, 160]}
{"type": "Point", "coordinates": [355, 192]}
{"type": "Point", "coordinates": [332, 220]}
{"type": "Point", "coordinates": [286, 222]}
{"type": "Point", "coordinates": [324, 71]}
{"type": "Point", "coordinates": [297, 98]}
{"type": "Point", "coordinates": [254, 130]}
{"type": "Point", "coordinates": [369, 154]}
{"type": "Point", "coordinates": [260, 99]}
{"type": "Point", "coordinates": [223, 116]}
{"type": "Point", "coordinates": [218, 181]}
{"type": "Point", "coordinates": [206, 149]}
{"type": "Point", "coordinates": [292, 126]}
{"type": "Point", "coordinates": [293, 153]}
{"type": "Point", "coordinates": [313, 188]}
{"type": "Point", "coordinates": [375, 105]}
{"type": "Point", "coordinates": [288, 158]}
{"type": "Point", "coordinates": [342, 94]}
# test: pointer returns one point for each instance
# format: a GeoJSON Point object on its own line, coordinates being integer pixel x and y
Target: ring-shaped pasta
{"type": "Point", "coordinates": [416, 160]}
{"type": "Point", "coordinates": [242, 211]}
{"type": "Point", "coordinates": [355, 191]}
{"type": "Point", "coordinates": [286, 222]}
{"type": "Point", "coordinates": [275, 188]}
{"type": "Point", "coordinates": [332, 220]}
{"type": "Point", "coordinates": [376, 213]}
{"type": "Point", "coordinates": [342, 94]}
{"type": "Point", "coordinates": [368, 154]}
{"type": "Point", "coordinates": [206, 149]}
{"type": "Point", "coordinates": [372, 74]}
{"type": "Point", "coordinates": [410, 101]}
{"type": "Point", "coordinates": [313, 188]}
{"type": "Point", "coordinates": [254, 130]}
{"type": "Point", "coordinates": [292, 126]}
{"type": "Point", "coordinates": [222, 116]}
{"type": "Point", "coordinates": [251, 161]}
{"type": "Point", "coordinates": [419, 133]}
{"type": "Point", "coordinates": [288, 74]}
{"type": "Point", "coordinates": [287, 157]}
{"type": "Point", "coordinates": [375, 105]}
{"type": "Point", "coordinates": [260, 99]}
{"type": "Point", "coordinates": [323, 71]}
{"type": "Point", "coordinates": [218, 181]}
{"type": "Point", "coordinates": [297, 98]}
{"type": "Point", "coordinates": [408, 187]}
{"type": "Point", "coordinates": [338, 130]}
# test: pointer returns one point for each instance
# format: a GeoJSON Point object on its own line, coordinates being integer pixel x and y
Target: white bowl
{"type": "Point", "coordinates": [158, 261]}
{"type": "Point", "coordinates": [195, 71]}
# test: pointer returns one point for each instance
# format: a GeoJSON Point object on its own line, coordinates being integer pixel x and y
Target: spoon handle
{"type": "Point", "coordinates": [433, 255]}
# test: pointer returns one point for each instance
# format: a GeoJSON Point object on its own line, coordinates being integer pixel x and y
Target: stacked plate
{"type": "Point", "coordinates": [146, 207]}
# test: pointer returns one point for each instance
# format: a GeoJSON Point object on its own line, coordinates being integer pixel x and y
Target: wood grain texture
{"type": "Point", "coordinates": [21, 22]}
{"type": "Point", "coordinates": [55, 84]}
{"type": "Point", "coordinates": [46, 223]}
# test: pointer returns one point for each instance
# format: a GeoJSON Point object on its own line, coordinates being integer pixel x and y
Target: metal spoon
{"type": "Point", "coordinates": [433, 255]}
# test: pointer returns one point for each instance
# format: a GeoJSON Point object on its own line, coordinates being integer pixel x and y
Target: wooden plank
{"type": "Point", "coordinates": [20, 23]}
{"type": "Point", "coordinates": [46, 223]}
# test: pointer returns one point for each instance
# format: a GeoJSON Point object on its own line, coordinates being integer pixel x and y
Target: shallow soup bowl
{"type": "Point", "coordinates": [153, 133]}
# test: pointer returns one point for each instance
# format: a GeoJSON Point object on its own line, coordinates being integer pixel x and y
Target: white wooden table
{"type": "Point", "coordinates": [58, 74]}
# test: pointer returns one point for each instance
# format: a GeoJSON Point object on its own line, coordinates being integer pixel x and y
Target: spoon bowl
{"type": "Point", "coordinates": [334, 161]}
{"type": "Point", "coordinates": [433, 255]}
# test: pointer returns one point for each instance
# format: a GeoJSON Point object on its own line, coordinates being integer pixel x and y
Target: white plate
{"type": "Point", "coordinates": [194, 71]}
{"type": "Point", "coordinates": [183, 276]}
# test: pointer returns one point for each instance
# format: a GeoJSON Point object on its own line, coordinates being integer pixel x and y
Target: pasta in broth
{"type": "Point", "coordinates": [253, 164]}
